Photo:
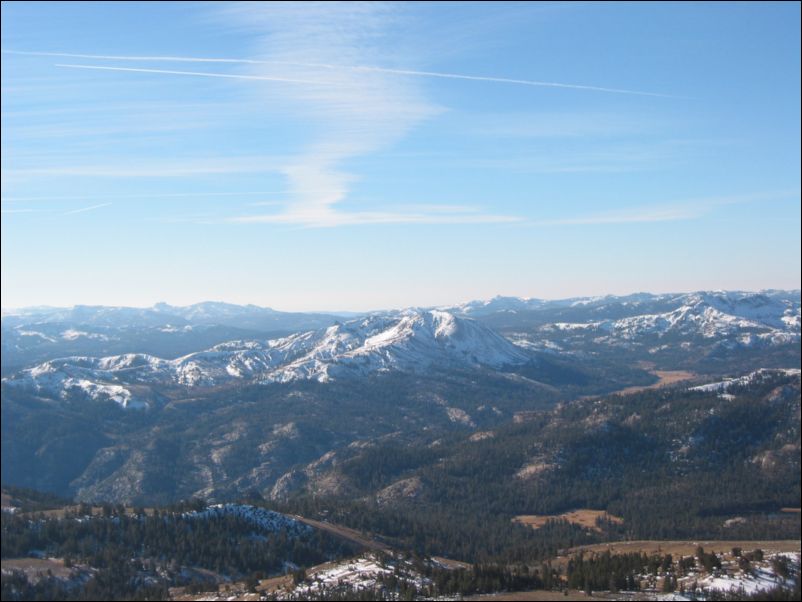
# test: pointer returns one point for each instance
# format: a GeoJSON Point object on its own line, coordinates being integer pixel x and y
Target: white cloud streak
{"type": "Point", "coordinates": [145, 195]}
{"type": "Point", "coordinates": [438, 215]}
{"type": "Point", "coordinates": [90, 208]}
{"type": "Point", "coordinates": [163, 169]}
{"type": "Point", "coordinates": [688, 209]}
{"type": "Point", "coordinates": [352, 108]}
{"type": "Point", "coordinates": [634, 216]}
{"type": "Point", "coordinates": [351, 113]}
{"type": "Point", "coordinates": [195, 73]}
{"type": "Point", "coordinates": [329, 66]}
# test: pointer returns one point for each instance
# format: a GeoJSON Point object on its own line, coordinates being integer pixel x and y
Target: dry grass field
{"type": "Point", "coordinates": [687, 548]}
{"type": "Point", "coordinates": [535, 596]}
{"type": "Point", "coordinates": [584, 518]}
{"type": "Point", "coordinates": [667, 378]}
{"type": "Point", "coordinates": [65, 510]}
{"type": "Point", "coordinates": [33, 566]}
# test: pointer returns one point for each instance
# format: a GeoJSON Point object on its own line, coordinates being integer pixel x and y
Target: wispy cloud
{"type": "Point", "coordinates": [614, 158]}
{"type": "Point", "coordinates": [563, 124]}
{"type": "Point", "coordinates": [325, 59]}
{"type": "Point", "coordinates": [349, 114]}
{"type": "Point", "coordinates": [146, 195]}
{"type": "Point", "coordinates": [90, 208]}
{"type": "Point", "coordinates": [635, 215]}
{"type": "Point", "coordinates": [436, 215]}
{"type": "Point", "coordinates": [197, 73]}
{"type": "Point", "coordinates": [322, 65]}
{"type": "Point", "coordinates": [439, 208]}
{"type": "Point", "coordinates": [687, 209]}
{"type": "Point", "coordinates": [72, 132]}
{"type": "Point", "coordinates": [162, 169]}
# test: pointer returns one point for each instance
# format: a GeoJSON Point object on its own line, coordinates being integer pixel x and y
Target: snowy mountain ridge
{"type": "Point", "coordinates": [778, 309]}
{"type": "Point", "coordinates": [414, 341]}
{"type": "Point", "coordinates": [749, 319]}
{"type": "Point", "coordinates": [93, 361]}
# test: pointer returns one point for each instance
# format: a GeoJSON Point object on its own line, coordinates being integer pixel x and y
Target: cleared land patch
{"type": "Point", "coordinates": [36, 568]}
{"type": "Point", "coordinates": [687, 548]}
{"type": "Point", "coordinates": [666, 378]}
{"type": "Point", "coordinates": [535, 596]}
{"type": "Point", "coordinates": [77, 510]}
{"type": "Point", "coordinates": [584, 518]}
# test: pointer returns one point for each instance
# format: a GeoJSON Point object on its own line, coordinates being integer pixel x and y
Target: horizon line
{"type": "Point", "coordinates": [5, 309]}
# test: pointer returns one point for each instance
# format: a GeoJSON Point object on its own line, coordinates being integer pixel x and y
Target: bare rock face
{"type": "Point", "coordinates": [287, 484]}
{"type": "Point", "coordinates": [403, 489]}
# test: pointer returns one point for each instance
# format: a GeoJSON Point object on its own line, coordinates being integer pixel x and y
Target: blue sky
{"type": "Point", "coordinates": [342, 160]}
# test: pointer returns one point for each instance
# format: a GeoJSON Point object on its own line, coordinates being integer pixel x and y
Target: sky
{"type": "Point", "coordinates": [363, 156]}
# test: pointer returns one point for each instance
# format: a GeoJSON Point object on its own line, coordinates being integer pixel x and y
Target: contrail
{"type": "Point", "coordinates": [145, 195]}
{"type": "Point", "coordinates": [198, 73]}
{"type": "Point", "coordinates": [410, 72]}
{"type": "Point", "coordinates": [86, 208]}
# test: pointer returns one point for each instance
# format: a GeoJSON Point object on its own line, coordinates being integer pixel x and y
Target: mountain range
{"type": "Point", "coordinates": [411, 341]}
{"type": "Point", "coordinates": [49, 331]}
{"type": "Point", "coordinates": [162, 403]}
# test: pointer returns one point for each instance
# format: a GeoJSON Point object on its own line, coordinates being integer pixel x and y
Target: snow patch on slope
{"type": "Point", "coordinates": [748, 379]}
{"type": "Point", "coordinates": [361, 573]}
{"type": "Point", "coordinates": [267, 520]}
{"type": "Point", "coordinates": [760, 578]}
{"type": "Point", "coordinates": [101, 392]}
{"type": "Point", "coordinates": [72, 334]}
{"type": "Point", "coordinates": [49, 379]}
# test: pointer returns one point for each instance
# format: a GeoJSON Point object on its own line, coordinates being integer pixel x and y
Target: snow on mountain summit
{"type": "Point", "coordinates": [772, 315]}
{"type": "Point", "coordinates": [412, 341]}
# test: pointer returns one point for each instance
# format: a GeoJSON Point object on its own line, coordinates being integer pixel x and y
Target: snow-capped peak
{"type": "Point", "coordinates": [414, 341]}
